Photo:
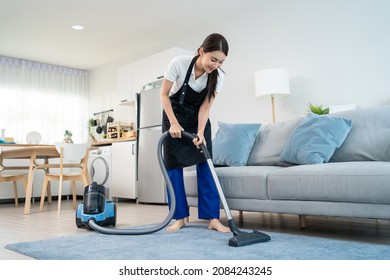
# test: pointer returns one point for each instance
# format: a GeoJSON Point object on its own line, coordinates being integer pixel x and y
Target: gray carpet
{"type": "Point", "coordinates": [195, 242]}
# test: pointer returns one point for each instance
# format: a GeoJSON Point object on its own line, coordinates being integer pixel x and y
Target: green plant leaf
{"type": "Point", "coordinates": [318, 109]}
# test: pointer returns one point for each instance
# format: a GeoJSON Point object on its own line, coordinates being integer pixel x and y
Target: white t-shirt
{"type": "Point", "coordinates": [177, 70]}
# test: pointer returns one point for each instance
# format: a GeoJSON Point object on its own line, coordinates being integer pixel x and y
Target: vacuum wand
{"type": "Point", "coordinates": [240, 238]}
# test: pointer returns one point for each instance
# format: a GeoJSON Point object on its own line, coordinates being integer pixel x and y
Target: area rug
{"type": "Point", "coordinates": [195, 242]}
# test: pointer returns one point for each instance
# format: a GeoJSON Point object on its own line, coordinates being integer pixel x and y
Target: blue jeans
{"type": "Point", "coordinates": [208, 198]}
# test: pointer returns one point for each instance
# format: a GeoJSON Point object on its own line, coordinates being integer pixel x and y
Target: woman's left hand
{"type": "Point", "coordinates": [199, 140]}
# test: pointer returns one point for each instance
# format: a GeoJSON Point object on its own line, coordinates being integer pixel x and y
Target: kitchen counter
{"type": "Point", "coordinates": [110, 141]}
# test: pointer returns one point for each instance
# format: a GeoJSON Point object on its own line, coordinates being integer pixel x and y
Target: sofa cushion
{"type": "Point", "coordinates": [270, 142]}
{"type": "Point", "coordinates": [357, 182]}
{"type": "Point", "coordinates": [369, 136]}
{"type": "Point", "coordinates": [315, 139]}
{"type": "Point", "coordinates": [244, 182]}
{"type": "Point", "coordinates": [233, 143]}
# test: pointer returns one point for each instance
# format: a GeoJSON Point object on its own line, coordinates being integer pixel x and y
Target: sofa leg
{"type": "Point", "coordinates": [240, 215]}
{"type": "Point", "coordinates": [302, 221]}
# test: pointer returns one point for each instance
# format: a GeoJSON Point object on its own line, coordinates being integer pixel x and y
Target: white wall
{"type": "Point", "coordinates": [336, 51]}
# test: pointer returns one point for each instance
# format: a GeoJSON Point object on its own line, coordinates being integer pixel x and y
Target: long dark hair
{"type": "Point", "coordinates": [214, 42]}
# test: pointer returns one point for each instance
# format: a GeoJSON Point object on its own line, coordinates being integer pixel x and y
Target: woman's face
{"type": "Point", "coordinates": [211, 60]}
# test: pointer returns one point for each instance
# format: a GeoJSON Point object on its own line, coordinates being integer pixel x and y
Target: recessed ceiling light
{"type": "Point", "coordinates": [77, 27]}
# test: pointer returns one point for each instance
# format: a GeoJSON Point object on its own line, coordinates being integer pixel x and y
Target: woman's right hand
{"type": "Point", "coordinates": [175, 130]}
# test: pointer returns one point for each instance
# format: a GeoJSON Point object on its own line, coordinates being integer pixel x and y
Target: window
{"type": "Point", "coordinates": [46, 98]}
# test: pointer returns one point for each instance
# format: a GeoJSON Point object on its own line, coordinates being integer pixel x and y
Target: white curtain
{"type": "Point", "coordinates": [45, 98]}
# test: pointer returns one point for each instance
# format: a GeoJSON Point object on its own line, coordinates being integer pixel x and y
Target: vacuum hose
{"type": "Point", "coordinates": [240, 238]}
{"type": "Point", "coordinates": [153, 228]}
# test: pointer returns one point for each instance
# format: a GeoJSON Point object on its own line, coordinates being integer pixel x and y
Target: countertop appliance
{"type": "Point", "coordinates": [99, 163]}
{"type": "Point", "coordinates": [150, 181]}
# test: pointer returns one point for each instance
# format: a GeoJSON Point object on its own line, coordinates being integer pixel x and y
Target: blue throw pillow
{"type": "Point", "coordinates": [233, 143]}
{"type": "Point", "coordinates": [315, 139]}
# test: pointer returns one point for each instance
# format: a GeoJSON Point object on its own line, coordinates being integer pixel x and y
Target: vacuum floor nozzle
{"type": "Point", "coordinates": [248, 238]}
{"type": "Point", "coordinates": [243, 238]}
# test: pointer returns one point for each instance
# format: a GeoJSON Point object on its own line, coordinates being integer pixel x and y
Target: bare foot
{"type": "Point", "coordinates": [178, 224]}
{"type": "Point", "coordinates": [215, 224]}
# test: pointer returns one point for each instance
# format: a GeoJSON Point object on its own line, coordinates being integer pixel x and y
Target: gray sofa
{"type": "Point", "coordinates": [354, 183]}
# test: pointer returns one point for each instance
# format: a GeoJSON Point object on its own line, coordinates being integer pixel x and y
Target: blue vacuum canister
{"type": "Point", "coordinates": [95, 207]}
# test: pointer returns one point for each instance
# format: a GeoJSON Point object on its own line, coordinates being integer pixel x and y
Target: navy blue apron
{"type": "Point", "coordinates": [181, 152]}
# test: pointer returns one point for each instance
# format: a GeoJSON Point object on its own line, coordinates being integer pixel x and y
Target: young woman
{"type": "Point", "coordinates": [189, 88]}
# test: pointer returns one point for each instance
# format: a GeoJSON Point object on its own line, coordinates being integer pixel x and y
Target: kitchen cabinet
{"type": "Point", "coordinates": [130, 79]}
{"type": "Point", "coordinates": [124, 92]}
{"type": "Point", "coordinates": [133, 76]}
{"type": "Point", "coordinates": [157, 63]}
{"type": "Point", "coordinates": [123, 182]}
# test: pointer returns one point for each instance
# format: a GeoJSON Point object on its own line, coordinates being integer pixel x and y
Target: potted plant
{"type": "Point", "coordinates": [318, 109]}
{"type": "Point", "coordinates": [68, 136]}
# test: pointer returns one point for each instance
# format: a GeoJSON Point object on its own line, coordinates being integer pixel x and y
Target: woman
{"type": "Point", "coordinates": [189, 88]}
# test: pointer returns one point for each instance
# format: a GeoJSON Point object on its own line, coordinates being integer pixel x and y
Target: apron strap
{"type": "Point", "coordinates": [187, 78]}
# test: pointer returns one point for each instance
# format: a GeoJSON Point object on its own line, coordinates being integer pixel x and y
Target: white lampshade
{"type": "Point", "coordinates": [272, 82]}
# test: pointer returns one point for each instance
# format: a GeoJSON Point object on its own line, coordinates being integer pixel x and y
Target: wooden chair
{"type": "Point", "coordinates": [12, 176]}
{"type": "Point", "coordinates": [69, 154]}
{"type": "Point", "coordinates": [14, 179]}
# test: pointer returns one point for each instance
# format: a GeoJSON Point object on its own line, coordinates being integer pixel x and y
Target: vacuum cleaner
{"type": "Point", "coordinates": [96, 212]}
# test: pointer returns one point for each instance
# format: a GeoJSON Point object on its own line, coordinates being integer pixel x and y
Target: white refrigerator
{"type": "Point", "coordinates": [150, 181]}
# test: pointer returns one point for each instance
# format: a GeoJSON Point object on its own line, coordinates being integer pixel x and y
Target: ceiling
{"type": "Point", "coordinates": [40, 30]}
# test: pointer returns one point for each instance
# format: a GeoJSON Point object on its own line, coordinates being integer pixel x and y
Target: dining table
{"type": "Point", "coordinates": [38, 157]}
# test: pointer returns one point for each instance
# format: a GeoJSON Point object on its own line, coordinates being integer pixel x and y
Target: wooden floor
{"type": "Point", "coordinates": [16, 227]}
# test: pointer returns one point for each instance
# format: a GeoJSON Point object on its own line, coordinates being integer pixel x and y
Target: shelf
{"type": "Point", "coordinates": [115, 131]}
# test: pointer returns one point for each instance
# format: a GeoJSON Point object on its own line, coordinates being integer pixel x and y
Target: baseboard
{"type": "Point", "coordinates": [21, 200]}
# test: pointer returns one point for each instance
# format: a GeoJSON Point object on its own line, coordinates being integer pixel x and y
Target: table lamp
{"type": "Point", "coordinates": [272, 82]}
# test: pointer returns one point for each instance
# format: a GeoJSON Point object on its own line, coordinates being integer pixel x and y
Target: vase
{"type": "Point", "coordinates": [68, 139]}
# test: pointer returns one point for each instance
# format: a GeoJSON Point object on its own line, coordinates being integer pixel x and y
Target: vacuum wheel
{"type": "Point", "coordinates": [111, 221]}
{"type": "Point", "coordinates": [114, 220]}
{"type": "Point", "coordinates": [79, 223]}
